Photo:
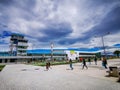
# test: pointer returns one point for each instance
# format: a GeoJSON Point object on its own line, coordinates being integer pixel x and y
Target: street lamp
{"type": "Point", "coordinates": [103, 44]}
{"type": "Point", "coordinates": [32, 52]}
{"type": "Point", "coordinates": [51, 51]}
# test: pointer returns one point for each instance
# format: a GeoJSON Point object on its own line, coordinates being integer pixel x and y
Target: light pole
{"type": "Point", "coordinates": [32, 52]}
{"type": "Point", "coordinates": [103, 44]}
{"type": "Point", "coordinates": [51, 51]}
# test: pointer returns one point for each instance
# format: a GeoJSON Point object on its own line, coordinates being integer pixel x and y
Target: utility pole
{"type": "Point", "coordinates": [103, 44]}
{"type": "Point", "coordinates": [32, 52]}
{"type": "Point", "coordinates": [51, 51]}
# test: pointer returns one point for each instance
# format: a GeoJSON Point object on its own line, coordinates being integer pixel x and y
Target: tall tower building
{"type": "Point", "coordinates": [18, 45]}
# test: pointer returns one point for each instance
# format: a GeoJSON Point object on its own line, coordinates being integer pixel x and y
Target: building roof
{"type": "Point", "coordinates": [45, 51]}
{"type": "Point", "coordinates": [18, 34]}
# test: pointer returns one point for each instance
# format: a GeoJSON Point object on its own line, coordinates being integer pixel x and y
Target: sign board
{"type": "Point", "coordinates": [72, 54]}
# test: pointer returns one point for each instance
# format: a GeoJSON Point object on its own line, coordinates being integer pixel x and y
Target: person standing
{"type": "Point", "coordinates": [81, 59]}
{"type": "Point", "coordinates": [104, 62]}
{"type": "Point", "coordinates": [84, 64]}
{"type": "Point", "coordinates": [70, 61]}
{"type": "Point", "coordinates": [95, 60]}
{"type": "Point", "coordinates": [47, 65]}
{"type": "Point", "coordinates": [89, 60]}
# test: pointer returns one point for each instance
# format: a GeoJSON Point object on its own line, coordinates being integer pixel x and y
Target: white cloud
{"type": "Point", "coordinates": [80, 14]}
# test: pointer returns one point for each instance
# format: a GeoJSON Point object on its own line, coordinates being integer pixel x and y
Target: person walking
{"type": "Point", "coordinates": [70, 61]}
{"type": "Point", "coordinates": [95, 60]}
{"type": "Point", "coordinates": [49, 65]}
{"type": "Point", "coordinates": [104, 62]}
{"type": "Point", "coordinates": [84, 64]}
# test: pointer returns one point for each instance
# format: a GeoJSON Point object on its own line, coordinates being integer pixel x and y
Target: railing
{"type": "Point", "coordinates": [21, 49]}
{"type": "Point", "coordinates": [22, 44]}
{"type": "Point", "coordinates": [19, 57]}
{"type": "Point", "coordinates": [86, 55]}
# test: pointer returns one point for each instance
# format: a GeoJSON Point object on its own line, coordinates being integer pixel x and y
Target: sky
{"type": "Point", "coordinates": [65, 23]}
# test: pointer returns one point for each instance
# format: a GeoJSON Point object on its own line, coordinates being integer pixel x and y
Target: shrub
{"type": "Point", "coordinates": [53, 63]}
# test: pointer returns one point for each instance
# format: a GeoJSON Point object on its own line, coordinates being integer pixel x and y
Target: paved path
{"type": "Point", "coordinates": [28, 77]}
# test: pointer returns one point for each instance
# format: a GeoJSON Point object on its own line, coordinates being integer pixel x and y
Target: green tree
{"type": "Point", "coordinates": [117, 52]}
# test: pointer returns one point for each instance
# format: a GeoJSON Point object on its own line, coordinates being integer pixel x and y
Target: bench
{"type": "Point", "coordinates": [114, 71]}
{"type": "Point", "coordinates": [119, 74]}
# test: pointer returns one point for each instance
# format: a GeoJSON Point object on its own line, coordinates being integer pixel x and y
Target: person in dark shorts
{"type": "Point", "coordinates": [84, 64]}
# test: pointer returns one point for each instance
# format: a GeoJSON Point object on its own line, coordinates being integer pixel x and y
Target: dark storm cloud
{"type": "Point", "coordinates": [56, 31]}
{"type": "Point", "coordinates": [111, 23]}
{"type": "Point", "coordinates": [4, 31]}
{"type": "Point", "coordinates": [5, 34]}
{"type": "Point", "coordinates": [4, 12]}
{"type": "Point", "coordinates": [6, 2]}
{"type": "Point", "coordinates": [26, 5]}
{"type": "Point", "coordinates": [69, 41]}
{"type": "Point", "coordinates": [9, 7]}
{"type": "Point", "coordinates": [15, 2]}
{"type": "Point", "coordinates": [28, 15]}
{"type": "Point", "coordinates": [99, 3]}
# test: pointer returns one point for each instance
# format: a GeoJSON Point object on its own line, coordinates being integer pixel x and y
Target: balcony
{"type": "Point", "coordinates": [21, 49]}
{"type": "Point", "coordinates": [22, 44]}
{"type": "Point", "coordinates": [22, 53]}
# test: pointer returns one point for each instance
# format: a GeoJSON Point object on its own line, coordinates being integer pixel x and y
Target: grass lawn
{"type": "Point", "coordinates": [52, 63]}
{"type": "Point", "coordinates": [1, 67]}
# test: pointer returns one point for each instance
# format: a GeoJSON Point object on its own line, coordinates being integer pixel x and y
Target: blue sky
{"type": "Point", "coordinates": [66, 23]}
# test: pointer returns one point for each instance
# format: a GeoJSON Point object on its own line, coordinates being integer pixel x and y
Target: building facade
{"type": "Point", "coordinates": [18, 45]}
{"type": "Point", "coordinates": [46, 54]}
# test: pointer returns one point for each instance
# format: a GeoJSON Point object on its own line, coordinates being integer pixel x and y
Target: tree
{"type": "Point", "coordinates": [117, 52]}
